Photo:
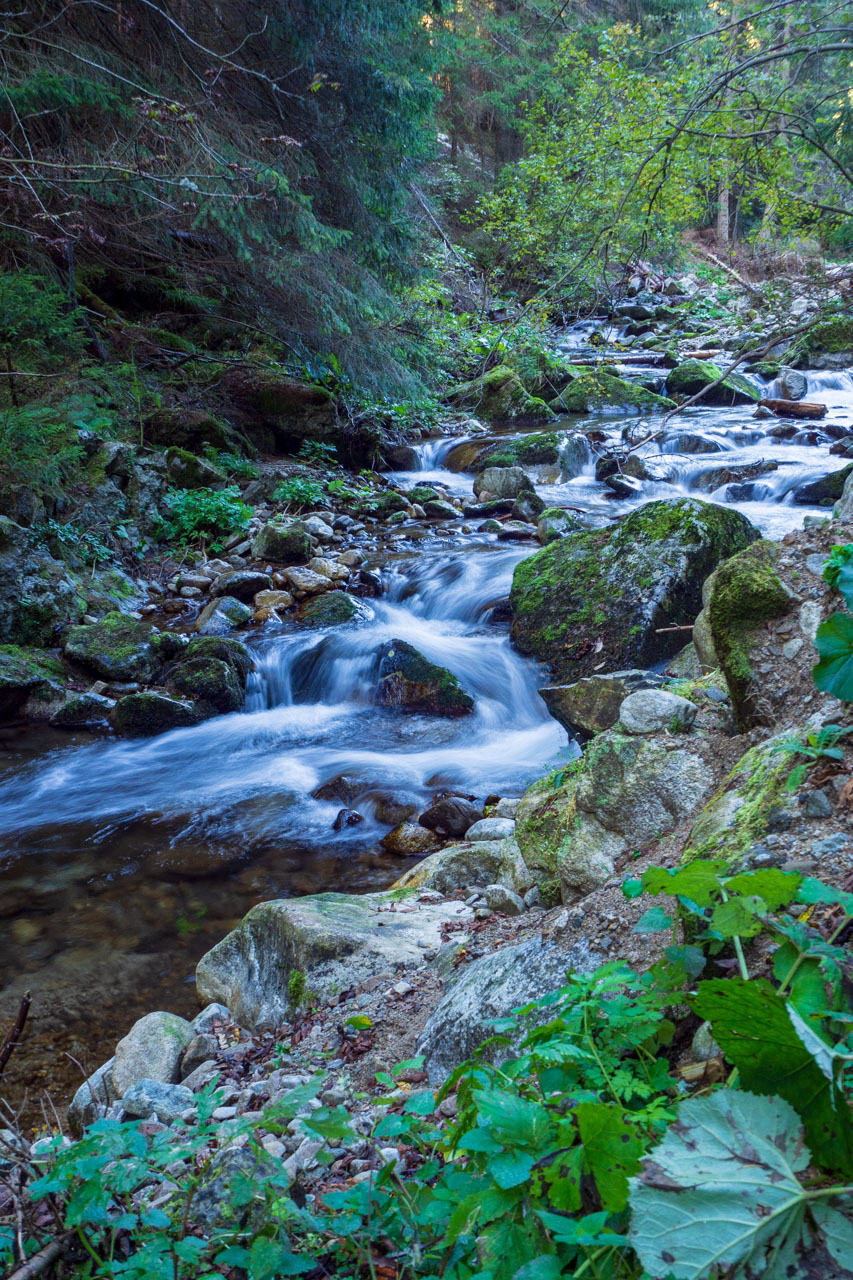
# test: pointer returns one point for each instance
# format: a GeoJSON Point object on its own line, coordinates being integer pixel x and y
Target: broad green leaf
{"type": "Point", "coordinates": [421, 1103]}
{"type": "Point", "coordinates": [776, 887]}
{"type": "Point", "coordinates": [655, 920]}
{"type": "Point", "coordinates": [546, 1267]}
{"type": "Point", "coordinates": [813, 890]}
{"type": "Point", "coordinates": [511, 1169]}
{"type": "Point", "coordinates": [844, 583]}
{"type": "Point", "coordinates": [632, 888]}
{"type": "Point", "coordinates": [738, 918]}
{"type": "Point", "coordinates": [753, 1028]}
{"type": "Point", "coordinates": [690, 959]}
{"type": "Point", "coordinates": [837, 1231]}
{"type": "Point", "coordinates": [511, 1119]}
{"type": "Point", "coordinates": [834, 643]}
{"type": "Point", "coordinates": [612, 1150]}
{"type": "Point", "coordinates": [721, 1191]}
{"type": "Point", "coordinates": [563, 1177]}
{"type": "Point", "coordinates": [697, 881]}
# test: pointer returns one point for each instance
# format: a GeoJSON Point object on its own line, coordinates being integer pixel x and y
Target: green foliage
{"type": "Point", "coordinates": [314, 451]}
{"type": "Point", "coordinates": [39, 448]}
{"type": "Point", "coordinates": [232, 464]}
{"type": "Point", "coordinates": [297, 988]}
{"type": "Point", "coordinates": [37, 323]}
{"type": "Point", "coordinates": [205, 515]}
{"type": "Point", "coordinates": [833, 673]}
{"type": "Point", "coordinates": [821, 744]}
{"type": "Point", "coordinates": [299, 492]}
{"type": "Point", "coordinates": [69, 537]}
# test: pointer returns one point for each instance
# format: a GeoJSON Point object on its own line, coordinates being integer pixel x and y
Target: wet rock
{"type": "Point", "coordinates": [347, 818]}
{"type": "Point", "coordinates": [824, 491]}
{"type": "Point", "coordinates": [210, 681]}
{"type": "Point", "coordinates": [505, 901]}
{"type": "Point", "coordinates": [117, 648]}
{"type": "Point", "coordinates": [602, 391]}
{"type": "Point", "coordinates": [554, 523]}
{"type": "Point", "coordinates": [844, 507]}
{"type": "Point", "coordinates": [328, 568]}
{"type": "Point", "coordinates": [407, 679]}
{"type": "Point", "coordinates": [271, 604]}
{"type": "Point", "coordinates": [440, 511]}
{"type": "Point", "coordinates": [624, 791]}
{"type": "Point", "coordinates": [410, 840]}
{"type": "Point", "coordinates": [202, 1048]}
{"type": "Point", "coordinates": [151, 1050]}
{"type": "Point", "coordinates": [393, 809]}
{"type": "Point", "coordinates": [283, 543]}
{"type": "Point", "coordinates": [715, 477]}
{"type": "Point", "coordinates": [143, 715]}
{"type": "Point", "coordinates": [493, 987]}
{"type": "Point", "coordinates": [688, 442]}
{"type": "Point", "coordinates": [224, 648]}
{"type": "Point", "coordinates": [336, 939]}
{"type": "Point", "coordinates": [695, 375]}
{"type": "Point", "coordinates": [318, 528]}
{"type": "Point", "coordinates": [600, 597]}
{"type": "Point", "coordinates": [500, 396]}
{"type": "Point", "coordinates": [167, 1102]}
{"type": "Point", "coordinates": [490, 829]}
{"type": "Point", "coordinates": [470, 865]}
{"type": "Point", "coordinates": [745, 593]}
{"type": "Point", "coordinates": [651, 710]}
{"type": "Point", "coordinates": [423, 493]}
{"type": "Point", "coordinates": [592, 705]}
{"type": "Point", "coordinates": [222, 616]}
{"type": "Point", "coordinates": [333, 610]}
{"type": "Point", "coordinates": [400, 457]}
{"type": "Point", "coordinates": [450, 816]}
{"type": "Point", "coordinates": [304, 582]}
{"type": "Point", "coordinates": [503, 482]}
{"type": "Point", "coordinates": [188, 471]}
{"type": "Point", "coordinates": [242, 584]}
{"type": "Point", "coordinates": [345, 788]}
{"type": "Point", "coordinates": [792, 384]}
{"type": "Point", "coordinates": [623, 486]}
{"type": "Point", "coordinates": [83, 711]}
{"type": "Point", "coordinates": [92, 1099]}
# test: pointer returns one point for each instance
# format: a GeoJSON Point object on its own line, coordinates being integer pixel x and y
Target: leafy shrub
{"type": "Point", "coordinates": [205, 515]}
{"type": "Point", "coordinates": [834, 640]}
{"type": "Point", "coordinates": [39, 448]}
{"type": "Point", "coordinates": [820, 745]}
{"type": "Point", "coordinates": [300, 492]}
{"type": "Point", "coordinates": [232, 464]}
{"type": "Point", "coordinates": [314, 451]}
{"type": "Point", "coordinates": [37, 324]}
{"type": "Point", "coordinates": [82, 541]}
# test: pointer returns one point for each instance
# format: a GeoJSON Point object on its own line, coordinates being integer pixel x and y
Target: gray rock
{"type": "Point", "coordinates": [703, 1045]}
{"type": "Point", "coordinates": [500, 898]}
{"type": "Point", "coordinates": [792, 384]}
{"type": "Point", "coordinates": [592, 705]}
{"type": "Point", "coordinates": [335, 939]}
{"type": "Point", "coordinates": [503, 482]}
{"type": "Point", "coordinates": [216, 1205]}
{"type": "Point", "coordinates": [650, 710]}
{"type": "Point", "coordinates": [492, 987]}
{"type": "Point", "coordinates": [284, 543]}
{"type": "Point", "coordinates": [151, 1050]}
{"type": "Point", "coordinates": [817, 805]}
{"type": "Point", "coordinates": [491, 829]}
{"type": "Point", "coordinates": [474, 865]}
{"type": "Point", "coordinates": [201, 1048]}
{"type": "Point", "coordinates": [506, 807]}
{"type": "Point", "coordinates": [242, 584]}
{"type": "Point", "coordinates": [204, 1022]}
{"type": "Point", "coordinates": [410, 840]}
{"type": "Point", "coordinates": [451, 816]}
{"type": "Point", "coordinates": [92, 1099]}
{"type": "Point", "coordinates": [117, 648]}
{"type": "Point", "coordinates": [83, 711]}
{"type": "Point", "coordinates": [167, 1102]}
{"type": "Point", "coordinates": [222, 616]}
{"type": "Point", "coordinates": [201, 1077]}
{"type": "Point", "coordinates": [143, 715]}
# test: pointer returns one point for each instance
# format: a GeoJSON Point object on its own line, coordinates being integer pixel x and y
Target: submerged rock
{"type": "Point", "coordinates": [143, 715]}
{"type": "Point", "coordinates": [599, 597]}
{"type": "Point", "coordinates": [592, 705]}
{"type": "Point", "coordinates": [336, 940]}
{"type": "Point", "coordinates": [493, 987]}
{"type": "Point", "coordinates": [407, 679]}
{"type": "Point", "coordinates": [116, 648]}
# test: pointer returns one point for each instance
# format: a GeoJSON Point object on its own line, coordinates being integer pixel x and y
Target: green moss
{"type": "Point", "coordinates": [172, 341]}
{"type": "Point", "coordinates": [209, 680]}
{"type": "Point", "coordinates": [408, 679]}
{"type": "Point", "coordinates": [747, 591]}
{"type": "Point", "coordinates": [500, 395]}
{"type": "Point", "coordinates": [423, 493]}
{"type": "Point", "coordinates": [539, 448]}
{"type": "Point", "coordinates": [830, 337]}
{"type": "Point", "coordinates": [600, 389]}
{"type": "Point", "coordinates": [737, 814]}
{"type": "Point", "coordinates": [693, 376]}
{"type": "Point", "coordinates": [117, 648]}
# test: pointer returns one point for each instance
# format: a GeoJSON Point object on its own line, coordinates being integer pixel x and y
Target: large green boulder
{"type": "Point", "coordinates": [143, 715]}
{"type": "Point", "coordinates": [500, 396]}
{"type": "Point", "coordinates": [233, 652]}
{"type": "Point", "coordinates": [409, 680]}
{"type": "Point", "coordinates": [211, 682]}
{"type": "Point", "coordinates": [828, 345]}
{"type": "Point", "coordinates": [116, 648]}
{"type": "Point", "coordinates": [333, 609]}
{"type": "Point", "coordinates": [624, 792]}
{"type": "Point", "coordinates": [562, 454]}
{"type": "Point", "coordinates": [23, 672]}
{"type": "Point", "coordinates": [299, 410]}
{"type": "Point", "coordinates": [750, 800]}
{"type": "Point", "coordinates": [597, 599]}
{"type": "Point", "coordinates": [602, 391]}
{"type": "Point", "coordinates": [188, 471]}
{"type": "Point", "coordinates": [283, 543]}
{"type": "Point", "coordinates": [745, 594]}
{"type": "Point", "coordinates": [693, 376]}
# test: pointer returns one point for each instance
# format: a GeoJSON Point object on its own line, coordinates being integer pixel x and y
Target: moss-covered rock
{"type": "Point", "coordinates": [283, 542]}
{"type": "Point", "coordinates": [828, 345]}
{"type": "Point", "coordinates": [554, 523]}
{"type": "Point", "coordinates": [387, 503]}
{"type": "Point", "coordinates": [558, 451]}
{"type": "Point", "coordinates": [83, 711]}
{"type": "Point", "coordinates": [407, 679]}
{"type": "Point", "coordinates": [600, 596]}
{"type": "Point", "coordinates": [143, 715]}
{"type": "Point", "coordinates": [333, 610]}
{"type": "Point", "coordinates": [591, 705]}
{"type": "Point", "coordinates": [190, 429]}
{"type": "Point", "coordinates": [625, 792]}
{"type": "Point", "coordinates": [692, 376]}
{"type": "Point", "coordinates": [210, 682]}
{"type": "Point", "coordinates": [476, 864]}
{"type": "Point", "coordinates": [825, 491]}
{"type": "Point", "coordinates": [296, 409]}
{"type": "Point", "coordinates": [502, 482]}
{"type": "Point", "coordinates": [500, 396]}
{"type": "Point", "coordinates": [188, 471]}
{"type": "Point", "coordinates": [22, 672]}
{"type": "Point", "coordinates": [423, 493]}
{"type": "Point", "coordinates": [222, 616]}
{"type": "Point", "coordinates": [746, 592]}
{"type": "Point", "coordinates": [601, 391]}
{"type": "Point", "coordinates": [116, 648]}
{"type": "Point", "coordinates": [739, 812]}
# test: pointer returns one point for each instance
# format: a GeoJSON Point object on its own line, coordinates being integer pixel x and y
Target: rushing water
{"type": "Point", "coordinates": [122, 861]}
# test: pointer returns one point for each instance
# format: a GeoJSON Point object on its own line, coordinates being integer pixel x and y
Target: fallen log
{"type": "Point", "coordinates": [794, 408]}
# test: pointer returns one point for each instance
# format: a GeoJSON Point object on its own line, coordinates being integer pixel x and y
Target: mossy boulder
{"type": "Point", "coordinates": [502, 482]}
{"type": "Point", "coordinates": [190, 429]}
{"type": "Point", "coordinates": [556, 451]}
{"type": "Point", "coordinates": [333, 610]}
{"type": "Point", "coordinates": [828, 345]}
{"type": "Point", "coordinates": [409, 680]}
{"type": "Point", "coordinates": [601, 391]}
{"type": "Point", "coordinates": [387, 503]}
{"type": "Point", "coordinates": [625, 792]}
{"type": "Point", "coordinates": [600, 596]}
{"type": "Point", "coordinates": [554, 523]}
{"type": "Point", "coordinates": [693, 376]}
{"type": "Point", "coordinates": [746, 592]}
{"type": "Point", "coordinates": [187, 471]}
{"type": "Point", "coordinates": [423, 493]}
{"type": "Point", "coordinates": [143, 715]}
{"type": "Point", "coordinates": [591, 705]}
{"type": "Point", "coordinates": [222, 615]}
{"type": "Point", "coordinates": [283, 542]}
{"type": "Point", "coordinates": [83, 711]}
{"type": "Point", "coordinates": [500, 396]}
{"type": "Point", "coordinates": [333, 939]}
{"type": "Point", "coordinates": [298, 410]}
{"type": "Point", "coordinates": [225, 649]}
{"type": "Point", "coordinates": [22, 672]}
{"type": "Point", "coordinates": [739, 813]}
{"type": "Point", "coordinates": [475, 864]}
{"type": "Point", "coordinates": [212, 683]}
{"type": "Point", "coordinates": [116, 648]}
